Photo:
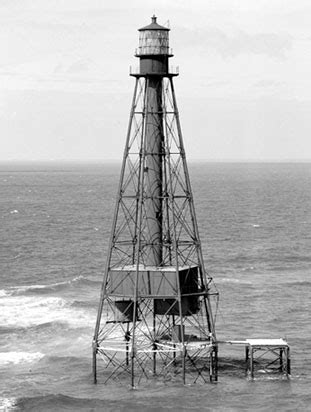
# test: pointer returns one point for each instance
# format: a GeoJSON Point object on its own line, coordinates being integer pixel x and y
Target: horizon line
{"type": "Point", "coordinates": [190, 160]}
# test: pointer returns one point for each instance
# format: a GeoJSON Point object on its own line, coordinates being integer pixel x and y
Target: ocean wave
{"type": "Point", "coordinates": [30, 311]}
{"type": "Point", "coordinates": [7, 404]}
{"type": "Point", "coordinates": [19, 357]}
{"type": "Point", "coordinates": [301, 283]}
{"type": "Point", "coordinates": [85, 303]}
{"type": "Point", "coordinates": [49, 288]}
{"type": "Point", "coordinates": [60, 402]}
{"type": "Point", "coordinates": [233, 280]}
{"type": "Point", "coordinates": [55, 326]}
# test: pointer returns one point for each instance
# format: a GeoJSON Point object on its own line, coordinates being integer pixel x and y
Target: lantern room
{"type": "Point", "coordinates": [153, 39]}
{"type": "Point", "coordinates": [153, 50]}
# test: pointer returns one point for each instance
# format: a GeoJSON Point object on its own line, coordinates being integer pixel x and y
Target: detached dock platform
{"type": "Point", "coordinates": [265, 355]}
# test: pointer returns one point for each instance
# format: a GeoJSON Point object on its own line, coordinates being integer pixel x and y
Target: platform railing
{"type": "Point", "coordinates": [136, 70]}
{"type": "Point", "coordinates": [151, 50]}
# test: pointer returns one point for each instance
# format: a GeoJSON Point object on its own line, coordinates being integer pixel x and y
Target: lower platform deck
{"type": "Point", "coordinates": [265, 355]}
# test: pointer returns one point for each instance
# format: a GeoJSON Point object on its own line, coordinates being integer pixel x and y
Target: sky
{"type": "Point", "coordinates": [243, 93]}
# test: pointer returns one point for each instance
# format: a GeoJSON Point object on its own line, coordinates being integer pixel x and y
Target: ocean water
{"type": "Point", "coordinates": [255, 228]}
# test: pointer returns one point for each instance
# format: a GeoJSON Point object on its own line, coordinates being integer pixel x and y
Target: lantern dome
{"type": "Point", "coordinates": [154, 25]}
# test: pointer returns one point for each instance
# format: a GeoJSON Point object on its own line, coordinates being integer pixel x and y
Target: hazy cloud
{"type": "Point", "coordinates": [231, 45]}
{"type": "Point", "coordinates": [66, 93]}
{"type": "Point", "coordinates": [269, 83]}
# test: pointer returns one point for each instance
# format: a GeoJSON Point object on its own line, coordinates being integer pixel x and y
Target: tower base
{"type": "Point", "coordinates": [193, 362]}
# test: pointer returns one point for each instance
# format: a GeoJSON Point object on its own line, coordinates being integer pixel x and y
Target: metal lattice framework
{"type": "Point", "coordinates": [155, 315]}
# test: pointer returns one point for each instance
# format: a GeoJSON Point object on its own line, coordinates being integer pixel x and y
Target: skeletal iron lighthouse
{"type": "Point", "coordinates": [155, 316]}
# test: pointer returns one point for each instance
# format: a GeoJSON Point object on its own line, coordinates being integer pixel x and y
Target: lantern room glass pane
{"type": "Point", "coordinates": [153, 42]}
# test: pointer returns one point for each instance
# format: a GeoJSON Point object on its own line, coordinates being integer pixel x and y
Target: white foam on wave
{"type": "Point", "coordinates": [7, 404]}
{"type": "Point", "coordinates": [27, 311]}
{"type": "Point", "coordinates": [19, 357]}
{"type": "Point", "coordinates": [13, 290]}
{"type": "Point", "coordinates": [228, 280]}
{"type": "Point", "coordinates": [14, 211]}
{"type": "Point", "coordinates": [25, 288]}
{"type": "Point", "coordinates": [233, 280]}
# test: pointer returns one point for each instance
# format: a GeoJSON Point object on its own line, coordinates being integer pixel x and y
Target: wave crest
{"type": "Point", "coordinates": [45, 289]}
{"type": "Point", "coordinates": [30, 311]}
{"type": "Point", "coordinates": [19, 357]}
